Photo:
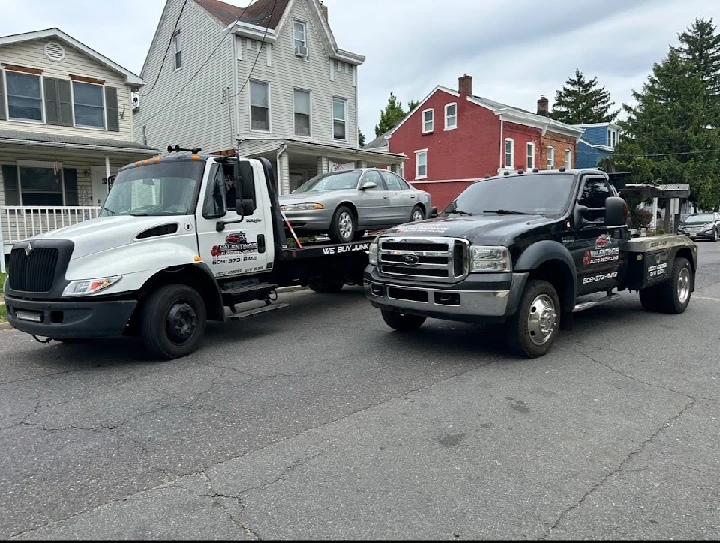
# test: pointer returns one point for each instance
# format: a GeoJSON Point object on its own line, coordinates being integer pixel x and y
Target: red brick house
{"type": "Point", "coordinates": [454, 138]}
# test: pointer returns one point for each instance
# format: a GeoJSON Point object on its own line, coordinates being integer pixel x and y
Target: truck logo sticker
{"type": "Point", "coordinates": [600, 256]}
{"type": "Point", "coordinates": [602, 241]}
{"type": "Point", "coordinates": [431, 228]}
{"type": "Point", "coordinates": [345, 249]}
{"type": "Point", "coordinates": [598, 278]}
{"type": "Point", "coordinates": [235, 244]}
{"type": "Point", "coordinates": [657, 270]}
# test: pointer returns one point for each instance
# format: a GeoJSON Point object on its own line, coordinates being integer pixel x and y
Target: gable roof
{"type": "Point", "coordinates": [379, 142]}
{"type": "Point", "coordinates": [261, 13]}
{"type": "Point", "coordinates": [130, 78]}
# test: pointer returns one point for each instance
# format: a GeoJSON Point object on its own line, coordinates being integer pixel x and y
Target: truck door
{"type": "Point", "coordinates": [596, 249]}
{"type": "Point", "coordinates": [244, 244]}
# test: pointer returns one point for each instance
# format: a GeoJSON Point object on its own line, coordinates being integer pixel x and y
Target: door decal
{"type": "Point", "coordinates": [602, 253]}
{"type": "Point", "coordinates": [235, 249]}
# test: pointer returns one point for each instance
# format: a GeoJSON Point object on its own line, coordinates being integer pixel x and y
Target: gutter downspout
{"type": "Point", "coordinates": [502, 144]}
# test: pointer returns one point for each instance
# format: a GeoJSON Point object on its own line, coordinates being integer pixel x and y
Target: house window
{"type": "Point", "coordinates": [41, 186]}
{"type": "Point", "coordinates": [509, 153]}
{"type": "Point", "coordinates": [568, 159]}
{"type": "Point", "coordinates": [421, 164]}
{"type": "Point", "coordinates": [339, 115]}
{"type": "Point", "coordinates": [450, 116]}
{"type": "Point", "coordinates": [259, 106]}
{"type": "Point", "coordinates": [177, 50]}
{"type": "Point", "coordinates": [88, 105]}
{"type": "Point", "coordinates": [428, 121]}
{"type": "Point", "coordinates": [24, 96]}
{"type": "Point", "coordinates": [530, 156]}
{"type": "Point", "coordinates": [300, 35]}
{"type": "Point", "coordinates": [302, 112]}
{"type": "Point", "coordinates": [550, 158]}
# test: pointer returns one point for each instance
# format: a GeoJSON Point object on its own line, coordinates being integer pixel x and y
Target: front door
{"type": "Point", "coordinates": [373, 204]}
{"type": "Point", "coordinates": [596, 250]}
{"type": "Point", "coordinates": [245, 244]}
{"type": "Point", "coordinates": [99, 189]}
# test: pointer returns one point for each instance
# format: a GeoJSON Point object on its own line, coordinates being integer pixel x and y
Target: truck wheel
{"type": "Point", "coordinates": [342, 227]}
{"type": "Point", "coordinates": [674, 294]}
{"type": "Point", "coordinates": [325, 287]}
{"type": "Point", "coordinates": [532, 330]}
{"type": "Point", "coordinates": [173, 321]}
{"type": "Point", "coordinates": [417, 214]}
{"type": "Point", "coordinates": [401, 321]}
{"type": "Point", "coordinates": [649, 298]}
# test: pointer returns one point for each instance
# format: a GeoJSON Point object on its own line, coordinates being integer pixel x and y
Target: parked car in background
{"type": "Point", "coordinates": [701, 226]}
{"type": "Point", "coordinates": [344, 204]}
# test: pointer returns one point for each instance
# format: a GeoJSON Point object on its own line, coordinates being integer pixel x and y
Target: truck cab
{"type": "Point", "coordinates": [527, 250]}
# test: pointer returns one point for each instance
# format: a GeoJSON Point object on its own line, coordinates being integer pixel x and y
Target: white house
{"type": "Point", "coordinates": [266, 80]}
{"type": "Point", "coordinates": [66, 126]}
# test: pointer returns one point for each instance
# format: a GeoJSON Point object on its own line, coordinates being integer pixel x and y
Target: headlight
{"type": "Point", "coordinates": [90, 286]}
{"type": "Point", "coordinates": [489, 259]}
{"type": "Point", "coordinates": [301, 207]}
{"type": "Point", "coordinates": [373, 252]}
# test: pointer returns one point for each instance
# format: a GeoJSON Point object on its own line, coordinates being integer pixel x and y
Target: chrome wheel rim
{"type": "Point", "coordinates": [345, 224]}
{"type": "Point", "coordinates": [683, 285]}
{"type": "Point", "coordinates": [541, 320]}
{"type": "Point", "coordinates": [417, 215]}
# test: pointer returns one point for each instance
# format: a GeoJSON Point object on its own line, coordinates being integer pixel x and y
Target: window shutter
{"type": "Point", "coordinates": [111, 102]}
{"type": "Point", "coordinates": [71, 188]}
{"type": "Point", "coordinates": [58, 106]}
{"type": "Point", "coordinates": [10, 180]}
{"type": "Point", "coordinates": [3, 117]}
{"type": "Point", "coordinates": [64, 102]}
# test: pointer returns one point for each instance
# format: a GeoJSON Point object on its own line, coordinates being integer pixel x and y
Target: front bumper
{"type": "Point", "coordinates": [318, 219]}
{"type": "Point", "coordinates": [70, 319]}
{"type": "Point", "coordinates": [486, 297]}
{"type": "Point", "coordinates": [697, 235]}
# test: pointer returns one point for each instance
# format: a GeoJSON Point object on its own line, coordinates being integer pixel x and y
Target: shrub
{"type": "Point", "coordinates": [640, 218]}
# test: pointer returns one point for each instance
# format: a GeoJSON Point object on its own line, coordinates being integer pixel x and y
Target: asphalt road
{"type": "Point", "coordinates": [318, 422]}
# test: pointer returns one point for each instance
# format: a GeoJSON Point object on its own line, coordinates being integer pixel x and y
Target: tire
{"type": "Point", "coordinates": [326, 287]}
{"type": "Point", "coordinates": [402, 322]}
{"type": "Point", "coordinates": [649, 299]}
{"type": "Point", "coordinates": [715, 235]}
{"type": "Point", "coordinates": [675, 293]}
{"type": "Point", "coordinates": [172, 321]}
{"type": "Point", "coordinates": [523, 331]}
{"type": "Point", "coordinates": [343, 225]}
{"type": "Point", "coordinates": [417, 213]}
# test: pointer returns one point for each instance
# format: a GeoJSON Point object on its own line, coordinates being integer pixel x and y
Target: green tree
{"type": "Point", "coordinates": [666, 137]}
{"type": "Point", "coordinates": [412, 104]}
{"type": "Point", "coordinates": [581, 101]}
{"type": "Point", "coordinates": [391, 117]}
{"type": "Point", "coordinates": [361, 138]}
{"type": "Point", "coordinates": [700, 47]}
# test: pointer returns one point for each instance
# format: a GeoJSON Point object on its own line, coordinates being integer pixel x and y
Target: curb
{"type": "Point", "coordinates": [5, 326]}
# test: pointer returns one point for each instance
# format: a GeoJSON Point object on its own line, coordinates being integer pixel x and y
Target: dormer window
{"type": "Point", "coordinates": [300, 35]}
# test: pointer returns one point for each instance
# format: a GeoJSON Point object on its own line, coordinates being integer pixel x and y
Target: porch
{"type": "Point", "coordinates": [49, 182]}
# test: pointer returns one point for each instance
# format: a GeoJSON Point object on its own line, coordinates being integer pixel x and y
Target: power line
{"type": "Point", "coordinates": [172, 35]}
{"type": "Point", "coordinates": [679, 153]}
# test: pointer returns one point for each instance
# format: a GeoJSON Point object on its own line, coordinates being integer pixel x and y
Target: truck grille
{"type": "Point", "coordinates": [34, 272]}
{"type": "Point", "coordinates": [436, 259]}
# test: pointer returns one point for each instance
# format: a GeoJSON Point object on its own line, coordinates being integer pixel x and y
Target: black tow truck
{"type": "Point", "coordinates": [526, 249]}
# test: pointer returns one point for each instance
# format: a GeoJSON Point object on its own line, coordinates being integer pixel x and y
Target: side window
{"type": "Point", "coordinates": [593, 195]}
{"type": "Point", "coordinates": [214, 205]}
{"type": "Point", "coordinates": [403, 183]}
{"type": "Point", "coordinates": [392, 182]}
{"type": "Point", "coordinates": [374, 176]}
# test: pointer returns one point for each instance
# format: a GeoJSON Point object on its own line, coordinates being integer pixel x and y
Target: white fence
{"type": "Point", "coordinates": [21, 222]}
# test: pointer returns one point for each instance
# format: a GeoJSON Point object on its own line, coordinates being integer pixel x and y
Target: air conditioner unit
{"type": "Point", "coordinates": [301, 51]}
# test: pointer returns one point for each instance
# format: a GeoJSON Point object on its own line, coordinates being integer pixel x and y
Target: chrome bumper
{"type": "Point", "coordinates": [481, 303]}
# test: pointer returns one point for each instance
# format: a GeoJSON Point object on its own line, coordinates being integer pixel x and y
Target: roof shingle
{"type": "Point", "coordinates": [264, 13]}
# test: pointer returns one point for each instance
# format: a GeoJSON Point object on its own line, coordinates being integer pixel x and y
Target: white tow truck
{"type": "Point", "coordinates": [179, 239]}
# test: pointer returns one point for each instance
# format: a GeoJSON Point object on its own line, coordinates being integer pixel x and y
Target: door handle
{"type": "Point", "coordinates": [384, 197]}
{"type": "Point", "coordinates": [412, 197]}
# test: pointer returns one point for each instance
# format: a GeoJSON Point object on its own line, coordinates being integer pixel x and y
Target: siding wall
{"type": "Point", "coordinates": [597, 135]}
{"type": "Point", "coordinates": [560, 143]}
{"type": "Point", "coordinates": [521, 136]}
{"type": "Point", "coordinates": [200, 115]}
{"type": "Point", "coordinates": [288, 72]}
{"type": "Point", "coordinates": [31, 54]}
{"type": "Point", "coordinates": [587, 156]}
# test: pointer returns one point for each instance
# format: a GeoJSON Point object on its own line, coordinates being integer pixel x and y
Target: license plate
{"type": "Point", "coordinates": [28, 316]}
{"type": "Point", "coordinates": [692, 235]}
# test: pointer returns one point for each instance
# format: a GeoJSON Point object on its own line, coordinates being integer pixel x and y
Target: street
{"type": "Point", "coordinates": [319, 422]}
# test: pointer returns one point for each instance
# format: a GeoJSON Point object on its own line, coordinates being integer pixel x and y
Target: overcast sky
{"type": "Point", "coordinates": [515, 50]}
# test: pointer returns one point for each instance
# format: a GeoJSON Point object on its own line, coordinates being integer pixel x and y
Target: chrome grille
{"type": "Point", "coordinates": [434, 259]}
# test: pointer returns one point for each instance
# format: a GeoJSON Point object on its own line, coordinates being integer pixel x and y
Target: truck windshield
{"type": "Point", "coordinates": [164, 188]}
{"type": "Point", "coordinates": [530, 194]}
{"type": "Point", "coordinates": [699, 219]}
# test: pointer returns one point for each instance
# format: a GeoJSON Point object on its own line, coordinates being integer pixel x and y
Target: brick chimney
{"type": "Point", "coordinates": [324, 9]}
{"type": "Point", "coordinates": [465, 84]}
{"type": "Point", "coordinates": [542, 107]}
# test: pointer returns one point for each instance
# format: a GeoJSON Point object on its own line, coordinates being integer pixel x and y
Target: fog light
{"type": "Point", "coordinates": [377, 290]}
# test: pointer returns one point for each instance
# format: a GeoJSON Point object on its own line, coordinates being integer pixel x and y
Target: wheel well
{"type": "Point", "coordinates": [191, 276]}
{"type": "Point", "coordinates": [686, 254]}
{"type": "Point", "coordinates": [561, 278]}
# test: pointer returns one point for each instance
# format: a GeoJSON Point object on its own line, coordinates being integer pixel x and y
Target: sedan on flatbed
{"type": "Point", "coordinates": [344, 204]}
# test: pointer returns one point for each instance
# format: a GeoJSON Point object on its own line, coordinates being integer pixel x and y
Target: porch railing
{"type": "Point", "coordinates": [21, 222]}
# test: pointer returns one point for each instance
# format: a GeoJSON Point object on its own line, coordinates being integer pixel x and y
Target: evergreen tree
{"type": "Point", "coordinates": [700, 47]}
{"type": "Point", "coordinates": [581, 101]}
{"type": "Point", "coordinates": [666, 136]}
{"type": "Point", "coordinates": [361, 138]}
{"type": "Point", "coordinates": [391, 117]}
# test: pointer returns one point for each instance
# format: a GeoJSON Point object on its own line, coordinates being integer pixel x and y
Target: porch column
{"type": "Point", "coordinates": [361, 164]}
{"type": "Point", "coordinates": [107, 174]}
{"type": "Point", "coordinates": [654, 213]}
{"type": "Point", "coordinates": [322, 165]}
{"type": "Point", "coordinates": [395, 168]}
{"type": "Point", "coordinates": [668, 212]}
{"type": "Point", "coordinates": [284, 174]}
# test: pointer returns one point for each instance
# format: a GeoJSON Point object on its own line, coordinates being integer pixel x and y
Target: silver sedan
{"type": "Point", "coordinates": [345, 203]}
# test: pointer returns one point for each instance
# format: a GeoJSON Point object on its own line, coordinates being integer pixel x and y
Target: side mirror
{"type": "Point", "coordinates": [368, 185]}
{"type": "Point", "coordinates": [616, 211]}
{"type": "Point", "coordinates": [579, 216]}
{"type": "Point", "coordinates": [247, 206]}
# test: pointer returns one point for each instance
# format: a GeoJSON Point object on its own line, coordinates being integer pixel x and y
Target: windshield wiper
{"type": "Point", "coordinates": [103, 208]}
{"type": "Point", "coordinates": [140, 214]}
{"type": "Point", "coordinates": [507, 212]}
{"type": "Point", "coordinates": [460, 212]}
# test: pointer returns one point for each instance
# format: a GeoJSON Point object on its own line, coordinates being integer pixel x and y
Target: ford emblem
{"type": "Point", "coordinates": [411, 260]}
